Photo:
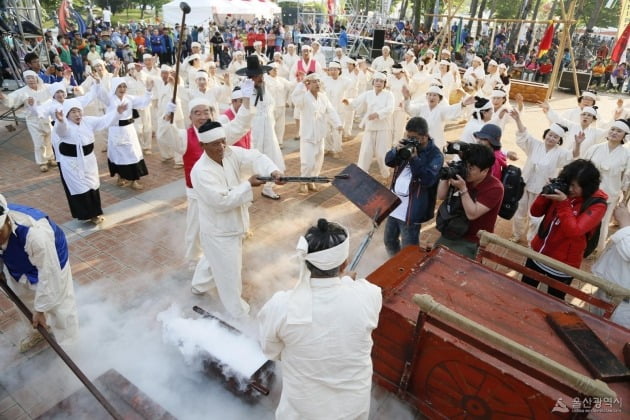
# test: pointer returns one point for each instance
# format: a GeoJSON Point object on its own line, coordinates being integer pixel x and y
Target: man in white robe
{"type": "Point", "coordinates": [336, 87]}
{"type": "Point", "coordinates": [279, 87]}
{"type": "Point", "coordinates": [263, 123]}
{"type": "Point", "coordinates": [317, 114]}
{"type": "Point", "coordinates": [224, 198]}
{"type": "Point", "coordinates": [383, 62]}
{"type": "Point", "coordinates": [34, 255]}
{"type": "Point", "coordinates": [614, 264]}
{"type": "Point", "coordinates": [377, 123]}
{"type": "Point", "coordinates": [321, 331]}
{"type": "Point", "coordinates": [396, 81]}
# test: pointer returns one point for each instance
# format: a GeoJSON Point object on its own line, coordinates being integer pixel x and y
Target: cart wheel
{"type": "Point", "coordinates": [469, 392]}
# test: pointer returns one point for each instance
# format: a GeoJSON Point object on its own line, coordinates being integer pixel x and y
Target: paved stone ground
{"type": "Point", "coordinates": [131, 268]}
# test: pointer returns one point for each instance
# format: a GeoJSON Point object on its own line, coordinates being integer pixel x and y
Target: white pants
{"type": "Point", "coordinates": [603, 233]}
{"type": "Point", "coordinates": [63, 318]}
{"type": "Point", "coordinates": [143, 127]}
{"type": "Point", "coordinates": [154, 113]}
{"type": "Point", "coordinates": [279, 113]}
{"type": "Point", "coordinates": [165, 144]}
{"type": "Point", "coordinates": [347, 116]}
{"type": "Point", "coordinates": [221, 266]}
{"type": "Point", "coordinates": [375, 144]}
{"type": "Point", "coordinates": [311, 158]}
{"type": "Point", "coordinates": [520, 225]}
{"type": "Point", "coordinates": [41, 143]}
{"type": "Point", "coordinates": [333, 140]}
{"type": "Point", "coordinates": [399, 121]}
{"type": "Point", "coordinates": [193, 246]}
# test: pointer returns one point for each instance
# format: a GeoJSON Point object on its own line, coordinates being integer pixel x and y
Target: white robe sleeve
{"type": "Point", "coordinates": [178, 138]}
{"type": "Point", "coordinates": [450, 112]}
{"type": "Point", "coordinates": [238, 127]}
{"type": "Point", "coordinates": [103, 122]}
{"type": "Point", "coordinates": [41, 251]}
{"type": "Point", "coordinates": [525, 141]}
{"type": "Point", "coordinates": [15, 99]}
{"type": "Point", "coordinates": [216, 195]}
{"type": "Point", "coordinates": [270, 318]}
{"type": "Point", "coordinates": [140, 102]}
{"type": "Point", "coordinates": [260, 163]}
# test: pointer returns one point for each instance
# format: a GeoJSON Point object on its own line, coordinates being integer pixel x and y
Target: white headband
{"type": "Point", "coordinates": [146, 56]}
{"type": "Point", "coordinates": [498, 93]}
{"type": "Point", "coordinates": [379, 76]}
{"type": "Point", "coordinates": [556, 128]}
{"type": "Point", "coordinates": [211, 135]}
{"type": "Point", "coordinates": [487, 105]}
{"type": "Point", "coordinates": [237, 94]}
{"type": "Point", "coordinates": [622, 126]}
{"type": "Point", "coordinates": [590, 110]}
{"type": "Point", "coordinates": [197, 102]}
{"type": "Point", "coordinates": [436, 89]}
{"type": "Point", "coordinates": [300, 310]}
{"type": "Point", "coordinates": [201, 75]}
{"type": "Point", "coordinates": [587, 94]}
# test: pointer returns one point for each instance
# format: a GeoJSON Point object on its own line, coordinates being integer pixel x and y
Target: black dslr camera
{"type": "Point", "coordinates": [406, 151]}
{"type": "Point", "coordinates": [455, 148]}
{"type": "Point", "coordinates": [453, 169]}
{"type": "Point", "coordinates": [556, 184]}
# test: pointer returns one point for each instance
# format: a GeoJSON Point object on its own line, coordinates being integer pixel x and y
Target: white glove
{"type": "Point", "coordinates": [170, 108]}
{"type": "Point", "coordinates": [247, 87]}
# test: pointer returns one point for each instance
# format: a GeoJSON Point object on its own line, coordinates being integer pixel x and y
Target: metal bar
{"type": "Point", "coordinates": [318, 179]}
{"type": "Point", "coordinates": [64, 356]}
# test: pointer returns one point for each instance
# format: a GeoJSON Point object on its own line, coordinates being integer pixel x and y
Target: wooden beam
{"type": "Point", "coordinates": [501, 20]}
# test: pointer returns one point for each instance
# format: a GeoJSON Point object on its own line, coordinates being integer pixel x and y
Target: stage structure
{"type": "Point", "coordinates": [21, 32]}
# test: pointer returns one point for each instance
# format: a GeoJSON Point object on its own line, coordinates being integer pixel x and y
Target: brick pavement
{"type": "Point", "coordinates": [147, 244]}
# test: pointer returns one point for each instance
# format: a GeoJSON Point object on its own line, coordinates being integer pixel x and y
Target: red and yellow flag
{"type": "Point", "coordinates": [545, 42]}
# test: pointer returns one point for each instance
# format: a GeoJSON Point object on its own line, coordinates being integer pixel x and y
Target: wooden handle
{"type": "Point", "coordinates": [583, 384]}
{"type": "Point", "coordinates": [617, 292]}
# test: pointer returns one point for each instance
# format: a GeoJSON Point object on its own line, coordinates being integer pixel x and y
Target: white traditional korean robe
{"type": "Point", "coordinates": [280, 88]}
{"type": "Point", "coordinates": [234, 130]}
{"type": "Point", "coordinates": [38, 126]}
{"type": "Point", "coordinates": [123, 146]}
{"type": "Point", "coordinates": [614, 266]}
{"type": "Point", "coordinates": [436, 118]}
{"type": "Point", "coordinates": [592, 135]}
{"type": "Point", "coordinates": [336, 91]}
{"type": "Point", "coordinates": [317, 114]}
{"type": "Point", "coordinates": [144, 128]}
{"type": "Point", "coordinates": [326, 365]}
{"type": "Point", "coordinates": [377, 135]}
{"type": "Point", "coordinates": [614, 167]}
{"type": "Point", "coordinates": [224, 199]}
{"type": "Point", "coordinates": [541, 165]}
{"type": "Point", "coordinates": [399, 117]}
{"type": "Point", "coordinates": [263, 127]}
{"type": "Point", "coordinates": [53, 293]}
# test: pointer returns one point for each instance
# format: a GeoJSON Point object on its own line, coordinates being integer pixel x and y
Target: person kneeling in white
{"type": "Point", "coordinates": [223, 214]}
{"type": "Point", "coordinates": [322, 332]}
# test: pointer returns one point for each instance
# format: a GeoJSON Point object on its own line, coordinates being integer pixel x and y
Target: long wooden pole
{"type": "Point", "coordinates": [558, 62]}
{"type": "Point", "coordinates": [185, 10]}
{"type": "Point", "coordinates": [582, 384]}
{"type": "Point", "coordinates": [616, 291]}
{"type": "Point", "coordinates": [573, 67]}
{"type": "Point", "coordinates": [60, 352]}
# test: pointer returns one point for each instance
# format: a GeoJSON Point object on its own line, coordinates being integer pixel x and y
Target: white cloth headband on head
{"type": "Point", "coordinates": [498, 93]}
{"type": "Point", "coordinates": [198, 101]}
{"type": "Point", "coordinates": [487, 105]}
{"type": "Point", "coordinates": [556, 128]}
{"type": "Point", "coordinates": [300, 309]}
{"type": "Point", "coordinates": [211, 135]}
{"type": "Point", "coordinates": [622, 126]}
{"type": "Point", "coordinates": [590, 110]}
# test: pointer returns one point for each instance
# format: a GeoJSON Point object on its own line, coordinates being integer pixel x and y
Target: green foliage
{"type": "Point", "coordinates": [607, 17]}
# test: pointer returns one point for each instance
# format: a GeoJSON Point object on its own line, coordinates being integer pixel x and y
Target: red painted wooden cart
{"type": "Point", "coordinates": [448, 372]}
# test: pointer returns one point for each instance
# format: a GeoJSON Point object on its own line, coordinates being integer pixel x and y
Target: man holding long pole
{"type": "Point", "coordinates": [35, 256]}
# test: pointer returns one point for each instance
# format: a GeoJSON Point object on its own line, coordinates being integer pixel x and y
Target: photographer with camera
{"type": "Point", "coordinates": [472, 199]}
{"type": "Point", "coordinates": [416, 161]}
{"type": "Point", "coordinates": [572, 207]}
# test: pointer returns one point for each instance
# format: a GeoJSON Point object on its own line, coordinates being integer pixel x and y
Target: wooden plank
{"type": "Point", "coordinates": [531, 91]}
{"type": "Point", "coordinates": [369, 195]}
{"type": "Point", "coordinates": [588, 347]}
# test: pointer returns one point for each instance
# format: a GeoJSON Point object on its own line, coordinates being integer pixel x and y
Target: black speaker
{"type": "Point", "coordinates": [375, 53]}
{"type": "Point", "coordinates": [566, 80]}
{"type": "Point", "coordinates": [289, 15]}
{"type": "Point", "coordinates": [378, 39]}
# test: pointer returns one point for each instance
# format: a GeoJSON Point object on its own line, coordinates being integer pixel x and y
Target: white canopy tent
{"type": "Point", "coordinates": [203, 11]}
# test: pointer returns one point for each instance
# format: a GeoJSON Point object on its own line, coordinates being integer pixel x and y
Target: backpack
{"type": "Point", "coordinates": [513, 190]}
{"type": "Point", "coordinates": [592, 237]}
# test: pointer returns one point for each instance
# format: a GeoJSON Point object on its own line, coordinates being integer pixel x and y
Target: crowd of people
{"type": "Point", "coordinates": [225, 121]}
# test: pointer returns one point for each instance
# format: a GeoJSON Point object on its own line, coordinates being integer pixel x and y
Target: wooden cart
{"type": "Point", "coordinates": [446, 371]}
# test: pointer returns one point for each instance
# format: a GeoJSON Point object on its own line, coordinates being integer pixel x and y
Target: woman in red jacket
{"type": "Point", "coordinates": [562, 233]}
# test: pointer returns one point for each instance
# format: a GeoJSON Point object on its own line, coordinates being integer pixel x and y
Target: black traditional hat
{"type": "Point", "coordinates": [254, 68]}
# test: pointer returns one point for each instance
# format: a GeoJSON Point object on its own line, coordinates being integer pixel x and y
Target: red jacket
{"type": "Point", "coordinates": [566, 238]}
